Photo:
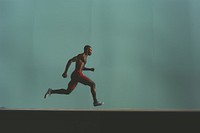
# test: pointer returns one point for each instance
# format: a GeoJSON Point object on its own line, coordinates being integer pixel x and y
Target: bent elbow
{"type": "Point", "coordinates": [70, 61]}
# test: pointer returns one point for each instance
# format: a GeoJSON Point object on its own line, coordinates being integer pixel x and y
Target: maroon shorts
{"type": "Point", "coordinates": [78, 77]}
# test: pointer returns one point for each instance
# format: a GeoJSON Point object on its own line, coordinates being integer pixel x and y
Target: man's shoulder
{"type": "Point", "coordinates": [80, 55]}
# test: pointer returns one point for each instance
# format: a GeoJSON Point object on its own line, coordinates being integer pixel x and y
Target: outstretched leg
{"type": "Point", "coordinates": [71, 86]}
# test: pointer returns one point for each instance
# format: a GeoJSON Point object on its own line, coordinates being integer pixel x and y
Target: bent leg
{"type": "Point", "coordinates": [87, 81]}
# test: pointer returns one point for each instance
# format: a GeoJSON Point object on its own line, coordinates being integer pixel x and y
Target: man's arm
{"type": "Point", "coordinates": [68, 65]}
{"type": "Point", "coordinates": [88, 69]}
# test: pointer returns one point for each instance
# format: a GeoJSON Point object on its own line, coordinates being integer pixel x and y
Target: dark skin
{"type": "Point", "coordinates": [80, 60]}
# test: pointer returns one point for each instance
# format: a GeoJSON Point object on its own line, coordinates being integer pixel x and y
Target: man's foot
{"type": "Point", "coordinates": [98, 103]}
{"type": "Point", "coordinates": [48, 93]}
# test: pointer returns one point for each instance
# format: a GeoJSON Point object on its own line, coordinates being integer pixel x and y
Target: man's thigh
{"type": "Point", "coordinates": [85, 80]}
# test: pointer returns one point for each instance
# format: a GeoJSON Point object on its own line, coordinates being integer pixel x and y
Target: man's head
{"type": "Point", "coordinates": [88, 49]}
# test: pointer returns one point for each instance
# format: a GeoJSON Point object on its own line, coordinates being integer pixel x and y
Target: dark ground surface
{"type": "Point", "coordinates": [98, 121]}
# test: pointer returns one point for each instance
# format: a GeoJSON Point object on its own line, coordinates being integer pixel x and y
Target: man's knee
{"type": "Point", "coordinates": [92, 85]}
{"type": "Point", "coordinates": [67, 92]}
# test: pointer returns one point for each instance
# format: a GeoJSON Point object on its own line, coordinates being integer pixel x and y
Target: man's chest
{"type": "Point", "coordinates": [83, 60]}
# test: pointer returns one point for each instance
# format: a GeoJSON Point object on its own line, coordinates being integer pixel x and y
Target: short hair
{"type": "Point", "coordinates": [87, 47]}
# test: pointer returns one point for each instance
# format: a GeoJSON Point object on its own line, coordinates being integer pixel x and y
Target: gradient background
{"type": "Point", "coordinates": [145, 52]}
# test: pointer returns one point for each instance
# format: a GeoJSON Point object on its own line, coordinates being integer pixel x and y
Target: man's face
{"type": "Point", "coordinates": [90, 51]}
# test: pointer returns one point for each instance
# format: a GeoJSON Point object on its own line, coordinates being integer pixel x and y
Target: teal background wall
{"type": "Point", "coordinates": [146, 52]}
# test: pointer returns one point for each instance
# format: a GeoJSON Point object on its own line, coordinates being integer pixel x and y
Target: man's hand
{"type": "Point", "coordinates": [64, 75]}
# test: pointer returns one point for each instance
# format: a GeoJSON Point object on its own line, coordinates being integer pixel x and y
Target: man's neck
{"type": "Point", "coordinates": [85, 54]}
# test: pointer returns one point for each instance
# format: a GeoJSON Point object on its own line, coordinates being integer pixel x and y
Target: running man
{"type": "Point", "coordinates": [77, 76]}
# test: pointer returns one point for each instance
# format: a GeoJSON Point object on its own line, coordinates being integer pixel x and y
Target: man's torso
{"type": "Point", "coordinates": [80, 63]}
